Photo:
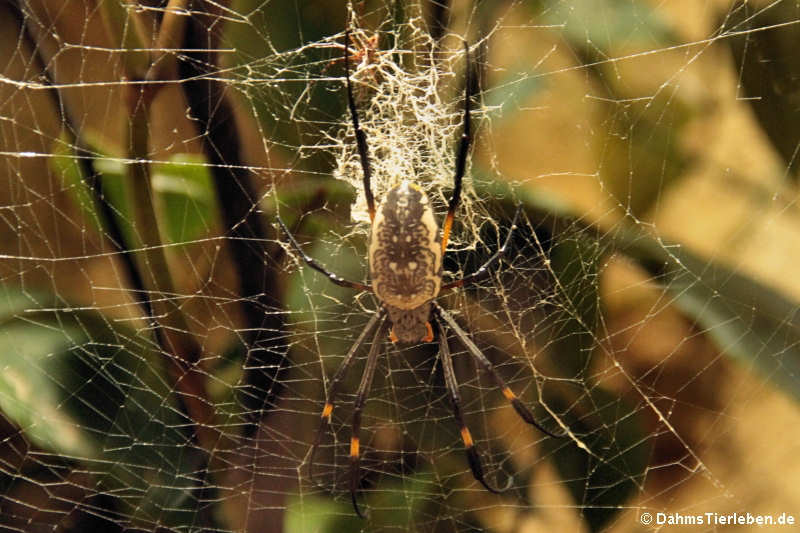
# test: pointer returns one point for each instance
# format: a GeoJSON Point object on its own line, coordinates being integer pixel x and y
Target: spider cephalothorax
{"type": "Point", "coordinates": [405, 257]}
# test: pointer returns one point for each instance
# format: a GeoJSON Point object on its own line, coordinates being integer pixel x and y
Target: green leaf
{"type": "Point", "coordinates": [186, 198]}
{"type": "Point", "coordinates": [391, 504]}
{"type": "Point", "coordinates": [314, 513]}
{"type": "Point", "coordinates": [112, 173]}
{"type": "Point", "coordinates": [606, 24]}
{"type": "Point", "coordinates": [183, 188]}
{"type": "Point", "coordinates": [88, 389]}
{"type": "Point", "coordinates": [769, 70]}
{"type": "Point", "coordinates": [574, 264]}
{"type": "Point", "coordinates": [572, 275]}
{"type": "Point", "coordinates": [317, 303]}
{"type": "Point", "coordinates": [513, 91]}
{"type": "Point", "coordinates": [641, 155]}
{"type": "Point", "coordinates": [311, 296]}
{"type": "Point", "coordinates": [33, 388]}
{"type": "Point", "coordinates": [64, 164]}
{"type": "Point", "coordinates": [601, 483]}
{"type": "Point", "coordinates": [749, 322]}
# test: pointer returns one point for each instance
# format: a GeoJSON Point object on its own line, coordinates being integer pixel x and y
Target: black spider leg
{"type": "Point", "coordinates": [483, 271]}
{"type": "Point", "coordinates": [338, 280]}
{"type": "Point", "coordinates": [361, 138]}
{"type": "Point", "coordinates": [455, 400]}
{"type": "Point", "coordinates": [521, 409]}
{"type": "Point", "coordinates": [461, 157]}
{"type": "Point", "coordinates": [336, 381]}
{"type": "Point", "coordinates": [361, 398]}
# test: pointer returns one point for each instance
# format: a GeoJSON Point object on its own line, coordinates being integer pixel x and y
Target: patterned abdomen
{"type": "Point", "coordinates": [405, 255]}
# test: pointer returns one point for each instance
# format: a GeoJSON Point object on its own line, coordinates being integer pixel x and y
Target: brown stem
{"type": "Point", "coordinates": [257, 256]}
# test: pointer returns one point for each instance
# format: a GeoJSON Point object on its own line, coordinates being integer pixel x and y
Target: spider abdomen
{"type": "Point", "coordinates": [405, 255]}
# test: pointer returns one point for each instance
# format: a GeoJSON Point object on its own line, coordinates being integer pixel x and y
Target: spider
{"type": "Point", "coordinates": [367, 52]}
{"type": "Point", "coordinates": [405, 259]}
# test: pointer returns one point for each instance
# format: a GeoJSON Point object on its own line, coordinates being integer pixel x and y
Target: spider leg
{"type": "Point", "coordinates": [338, 280]}
{"type": "Point", "coordinates": [455, 400]}
{"type": "Point", "coordinates": [483, 271]}
{"type": "Point", "coordinates": [521, 409]}
{"type": "Point", "coordinates": [461, 158]}
{"type": "Point", "coordinates": [361, 398]}
{"type": "Point", "coordinates": [336, 381]}
{"type": "Point", "coordinates": [361, 138]}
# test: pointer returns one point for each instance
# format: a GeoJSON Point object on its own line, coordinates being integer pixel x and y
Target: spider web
{"type": "Point", "coordinates": [165, 354]}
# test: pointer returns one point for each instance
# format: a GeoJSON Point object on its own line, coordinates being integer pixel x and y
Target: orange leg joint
{"type": "Point", "coordinates": [466, 437]}
{"type": "Point", "coordinates": [508, 394]}
{"type": "Point", "coordinates": [429, 336]}
{"type": "Point", "coordinates": [448, 225]}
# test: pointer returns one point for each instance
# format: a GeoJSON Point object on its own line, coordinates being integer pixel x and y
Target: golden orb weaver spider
{"type": "Point", "coordinates": [405, 260]}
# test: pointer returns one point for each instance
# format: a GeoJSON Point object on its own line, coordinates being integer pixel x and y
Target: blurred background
{"type": "Point", "coordinates": [164, 354]}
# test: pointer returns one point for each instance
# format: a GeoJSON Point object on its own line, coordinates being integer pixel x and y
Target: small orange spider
{"type": "Point", "coordinates": [366, 51]}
